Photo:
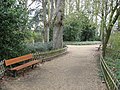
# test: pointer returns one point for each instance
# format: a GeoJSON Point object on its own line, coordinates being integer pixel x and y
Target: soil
{"type": "Point", "coordinates": [76, 70]}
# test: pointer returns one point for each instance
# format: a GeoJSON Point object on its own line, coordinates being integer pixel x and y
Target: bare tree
{"type": "Point", "coordinates": [109, 17]}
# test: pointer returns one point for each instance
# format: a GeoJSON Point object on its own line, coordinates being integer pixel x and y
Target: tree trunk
{"type": "Point", "coordinates": [78, 5]}
{"type": "Point", "coordinates": [46, 24]}
{"type": "Point", "coordinates": [58, 25]}
{"type": "Point", "coordinates": [70, 6]}
{"type": "Point", "coordinates": [119, 23]}
{"type": "Point", "coordinates": [47, 33]}
{"type": "Point", "coordinates": [44, 19]}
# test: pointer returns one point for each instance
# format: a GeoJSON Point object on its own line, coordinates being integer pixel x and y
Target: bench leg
{"type": "Point", "coordinates": [32, 66]}
{"type": "Point", "coordinates": [14, 73]}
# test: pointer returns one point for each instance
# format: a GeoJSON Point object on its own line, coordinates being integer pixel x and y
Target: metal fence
{"type": "Point", "coordinates": [2, 69]}
{"type": "Point", "coordinates": [110, 79]}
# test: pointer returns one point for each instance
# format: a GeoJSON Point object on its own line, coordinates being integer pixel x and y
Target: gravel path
{"type": "Point", "coordinates": [77, 70]}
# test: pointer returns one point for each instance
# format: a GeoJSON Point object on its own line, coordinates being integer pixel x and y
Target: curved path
{"type": "Point", "coordinates": [77, 70]}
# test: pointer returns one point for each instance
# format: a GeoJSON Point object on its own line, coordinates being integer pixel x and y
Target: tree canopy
{"type": "Point", "coordinates": [77, 27]}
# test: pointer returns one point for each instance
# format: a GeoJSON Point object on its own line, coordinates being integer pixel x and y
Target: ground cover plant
{"type": "Point", "coordinates": [113, 54]}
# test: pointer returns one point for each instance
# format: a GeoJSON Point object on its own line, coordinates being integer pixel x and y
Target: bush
{"type": "Point", "coordinates": [114, 65]}
{"type": "Point", "coordinates": [34, 37]}
{"type": "Point", "coordinates": [12, 29]}
{"type": "Point", "coordinates": [113, 54]}
{"type": "Point", "coordinates": [38, 47]}
{"type": "Point", "coordinates": [114, 41]}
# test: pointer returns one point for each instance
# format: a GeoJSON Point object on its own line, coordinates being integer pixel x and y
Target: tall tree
{"type": "Point", "coordinates": [48, 7]}
{"type": "Point", "coordinates": [119, 23]}
{"type": "Point", "coordinates": [112, 15]}
{"type": "Point", "coordinates": [78, 5]}
{"type": "Point", "coordinates": [58, 25]}
{"type": "Point", "coordinates": [44, 5]}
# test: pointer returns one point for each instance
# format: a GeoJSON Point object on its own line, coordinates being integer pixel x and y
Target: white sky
{"type": "Point", "coordinates": [33, 5]}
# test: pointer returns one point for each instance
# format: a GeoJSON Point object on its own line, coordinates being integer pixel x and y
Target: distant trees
{"type": "Point", "coordinates": [48, 7]}
{"type": "Point", "coordinates": [77, 27]}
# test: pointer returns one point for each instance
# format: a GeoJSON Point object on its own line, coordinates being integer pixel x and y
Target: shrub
{"type": "Point", "coordinates": [113, 54]}
{"type": "Point", "coordinates": [115, 41]}
{"type": "Point", "coordinates": [12, 29]}
{"type": "Point", "coordinates": [38, 47]}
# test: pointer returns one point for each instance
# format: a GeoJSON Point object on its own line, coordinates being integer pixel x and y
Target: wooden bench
{"type": "Point", "coordinates": [20, 63]}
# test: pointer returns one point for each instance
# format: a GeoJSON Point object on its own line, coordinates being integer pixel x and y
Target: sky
{"type": "Point", "coordinates": [34, 5]}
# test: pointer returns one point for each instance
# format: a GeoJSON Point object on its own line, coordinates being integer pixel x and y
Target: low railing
{"type": "Point", "coordinates": [2, 69]}
{"type": "Point", "coordinates": [110, 79]}
{"type": "Point", "coordinates": [50, 54]}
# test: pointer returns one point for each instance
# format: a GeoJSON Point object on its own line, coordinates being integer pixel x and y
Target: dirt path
{"type": "Point", "coordinates": [76, 70]}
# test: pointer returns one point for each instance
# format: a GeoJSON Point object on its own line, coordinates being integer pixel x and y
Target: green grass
{"type": "Point", "coordinates": [113, 54]}
{"type": "Point", "coordinates": [82, 43]}
{"type": "Point", "coordinates": [113, 61]}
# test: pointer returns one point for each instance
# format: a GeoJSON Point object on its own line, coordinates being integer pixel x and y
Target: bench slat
{"type": "Point", "coordinates": [18, 59]}
{"type": "Point", "coordinates": [25, 65]}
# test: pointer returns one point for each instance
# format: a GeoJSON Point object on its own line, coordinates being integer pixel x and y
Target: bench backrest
{"type": "Point", "coordinates": [18, 59]}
